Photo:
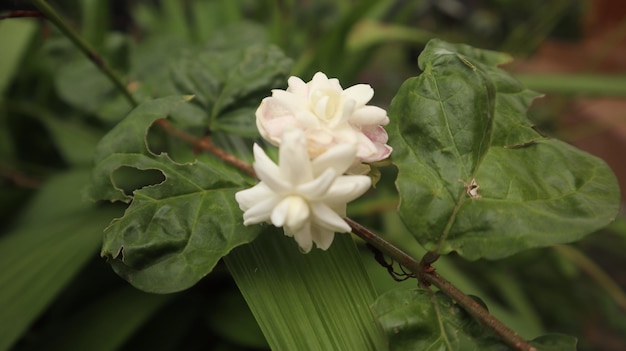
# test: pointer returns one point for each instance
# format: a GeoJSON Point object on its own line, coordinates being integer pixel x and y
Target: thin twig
{"type": "Point", "coordinates": [19, 179]}
{"type": "Point", "coordinates": [427, 275]}
{"type": "Point", "coordinates": [22, 14]}
{"type": "Point", "coordinates": [205, 144]}
{"type": "Point", "coordinates": [50, 13]}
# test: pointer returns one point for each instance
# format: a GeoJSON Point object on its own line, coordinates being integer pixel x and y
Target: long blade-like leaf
{"type": "Point", "coordinates": [317, 301]}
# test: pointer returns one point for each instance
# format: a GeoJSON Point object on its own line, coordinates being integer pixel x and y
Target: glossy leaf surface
{"type": "Point", "coordinates": [474, 176]}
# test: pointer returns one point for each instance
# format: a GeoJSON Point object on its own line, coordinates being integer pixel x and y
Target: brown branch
{"type": "Point", "coordinates": [19, 179]}
{"type": "Point", "coordinates": [205, 144]}
{"type": "Point", "coordinates": [22, 14]}
{"type": "Point", "coordinates": [427, 276]}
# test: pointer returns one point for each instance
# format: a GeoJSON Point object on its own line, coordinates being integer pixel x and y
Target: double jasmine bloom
{"type": "Point", "coordinates": [322, 132]}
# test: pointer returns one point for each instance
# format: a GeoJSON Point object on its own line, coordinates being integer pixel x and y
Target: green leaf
{"type": "Point", "coordinates": [464, 119]}
{"type": "Point", "coordinates": [230, 317]}
{"type": "Point", "coordinates": [239, 122]}
{"type": "Point", "coordinates": [14, 36]}
{"type": "Point", "coordinates": [110, 321]}
{"type": "Point", "coordinates": [314, 301]}
{"type": "Point", "coordinates": [75, 141]}
{"type": "Point", "coordinates": [56, 236]}
{"type": "Point", "coordinates": [221, 78]}
{"type": "Point", "coordinates": [233, 34]}
{"type": "Point", "coordinates": [423, 320]}
{"type": "Point", "coordinates": [175, 232]}
{"type": "Point", "coordinates": [81, 84]}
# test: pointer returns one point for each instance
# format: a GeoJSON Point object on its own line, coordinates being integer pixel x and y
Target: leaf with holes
{"type": "Point", "coordinates": [474, 176]}
{"type": "Point", "coordinates": [415, 320]}
{"type": "Point", "coordinates": [173, 233]}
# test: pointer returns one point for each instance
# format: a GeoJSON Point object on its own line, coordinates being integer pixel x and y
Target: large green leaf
{"type": "Point", "coordinates": [220, 78]}
{"type": "Point", "coordinates": [423, 320]}
{"type": "Point", "coordinates": [56, 235]}
{"type": "Point", "coordinates": [464, 119]}
{"type": "Point", "coordinates": [173, 233]}
{"type": "Point", "coordinates": [317, 301]}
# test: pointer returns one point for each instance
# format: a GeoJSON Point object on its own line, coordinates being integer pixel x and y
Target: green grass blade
{"type": "Point", "coordinates": [317, 301]}
{"type": "Point", "coordinates": [54, 239]}
{"type": "Point", "coordinates": [575, 83]}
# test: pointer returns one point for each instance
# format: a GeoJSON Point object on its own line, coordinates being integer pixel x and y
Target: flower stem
{"type": "Point", "coordinates": [50, 13]}
{"type": "Point", "coordinates": [427, 276]}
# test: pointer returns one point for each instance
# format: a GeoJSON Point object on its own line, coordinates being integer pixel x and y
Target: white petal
{"type": "Point", "coordinates": [319, 186]}
{"type": "Point", "coordinates": [295, 165]}
{"type": "Point", "coordinates": [250, 197]}
{"type": "Point", "coordinates": [297, 86]}
{"type": "Point", "coordinates": [280, 212]}
{"type": "Point", "coordinates": [269, 172]}
{"type": "Point", "coordinates": [260, 212]}
{"type": "Point", "coordinates": [369, 115]}
{"type": "Point", "coordinates": [326, 218]}
{"type": "Point", "coordinates": [376, 134]}
{"type": "Point", "coordinates": [303, 238]}
{"type": "Point", "coordinates": [346, 189]}
{"type": "Point", "coordinates": [361, 93]}
{"type": "Point", "coordinates": [292, 213]}
{"type": "Point", "coordinates": [320, 107]}
{"type": "Point", "coordinates": [322, 237]}
{"type": "Point", "coordinates": [299, 214]}
{"type": "Point", "coordinates": [307, 120]}
{"type": "Point", "coordinates": [346, 112]}
{"type": "Point", "coordinates": [319, 81]}
{"type": "Point", "coordinates": [345, 133]}
{"type": "Point", "coordinates": [365, 147]}
{"type": "Point", "coordinates": [272, 130]}
{"type": "Point", "coordinates": [320, 76]}
{"type": "Point", "coordinates": [379, 137]}
{"type": "Point", "coordinates": [339, 158]}
{"type": "Point", "coordinates": [262, 161]}
{"type": "Point", "coordinates": [288, 100]}
{"type": "Point", "coordinates": [383, 151]}
{"type": "Point", "coordinates": [334, 84]}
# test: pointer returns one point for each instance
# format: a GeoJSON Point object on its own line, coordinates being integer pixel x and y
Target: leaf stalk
{"type": "Point", "coordinates": [51, 14]}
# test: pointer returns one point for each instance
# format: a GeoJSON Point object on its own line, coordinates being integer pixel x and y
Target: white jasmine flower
{"type": "Point", "coordinates": [306, 197]}
{"type": "Point", "coordinates": [328, 115]}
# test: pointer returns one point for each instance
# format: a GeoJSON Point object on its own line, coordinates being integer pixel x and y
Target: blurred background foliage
{"type": "Point", "coordinates": [57, 293]}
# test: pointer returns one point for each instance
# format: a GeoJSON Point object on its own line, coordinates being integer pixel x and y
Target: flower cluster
{"type": "Point", "coordinates": [328, 115]}
{"type": "Point", "coordinates": [323, 132]}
